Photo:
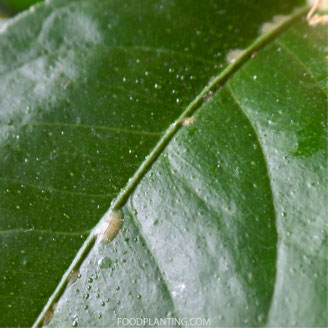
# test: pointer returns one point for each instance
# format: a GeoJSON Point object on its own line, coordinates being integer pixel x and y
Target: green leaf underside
{"type": "Point", "coordinates": [76, 132]}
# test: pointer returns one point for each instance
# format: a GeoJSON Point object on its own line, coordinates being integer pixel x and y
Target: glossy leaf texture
{"type": "Point", "coordinates": [230, 222]}
{"type": "Point", "coordinates": [87, 89]}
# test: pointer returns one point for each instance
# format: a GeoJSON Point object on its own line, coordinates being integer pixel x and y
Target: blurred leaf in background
{"type": "Point", "coordinates": [3, 18]}
{"type": "Point", "coordinates": [12, 7]}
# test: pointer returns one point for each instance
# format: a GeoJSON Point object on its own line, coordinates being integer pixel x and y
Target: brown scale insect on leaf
{"type": "Point", "coordinates": [49, 315]}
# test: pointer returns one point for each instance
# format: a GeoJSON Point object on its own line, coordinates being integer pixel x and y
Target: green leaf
{"type": "Point", "coordinates": [229, 223]}
{"type": "Point", "coordinates": [14, 6]}
{"type": "Point", "coordinates": [224, 220]}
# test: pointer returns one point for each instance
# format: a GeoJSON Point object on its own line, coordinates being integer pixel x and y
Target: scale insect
{"type": "Point", "coordinates": [49, 315]}
{"type": "Point", "coordinates": [109, 226]}
{"type": "Point", "coordinates": [73, 276]}
{"type": "Point", "coordinates": [188, 120]}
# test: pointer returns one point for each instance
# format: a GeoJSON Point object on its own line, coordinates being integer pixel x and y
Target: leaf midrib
{"type": "Point", "coordinates": [125, 193]}
{"type": "Point", "coordinates": [267, 168]}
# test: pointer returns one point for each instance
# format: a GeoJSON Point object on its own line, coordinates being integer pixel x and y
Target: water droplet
{"type": "Point", "coordinates": [260, 317]}
{"type": "Point", "coordinates": [75, 321]}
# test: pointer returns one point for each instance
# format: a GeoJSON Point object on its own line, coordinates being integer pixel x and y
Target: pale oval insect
{"type": "Point", "coordinates": [188, 120]}
{"type": "Point", "coordinates": [234, 54]}
{"type": "Point", "coordinates": [273, 24]}
{"type": "Point", "coordinates": [109, 226]}
{"type": "Point", "coordinates": [73, 276]}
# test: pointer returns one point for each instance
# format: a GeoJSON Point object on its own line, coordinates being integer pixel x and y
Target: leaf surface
{"type": "Point", "coordinates": [96, 86]}
{"type": "Point", "coordinates": [229, 224]}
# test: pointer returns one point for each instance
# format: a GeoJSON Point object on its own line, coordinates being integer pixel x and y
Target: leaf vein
{"type": "Point", "coordinates": [253, 125]}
